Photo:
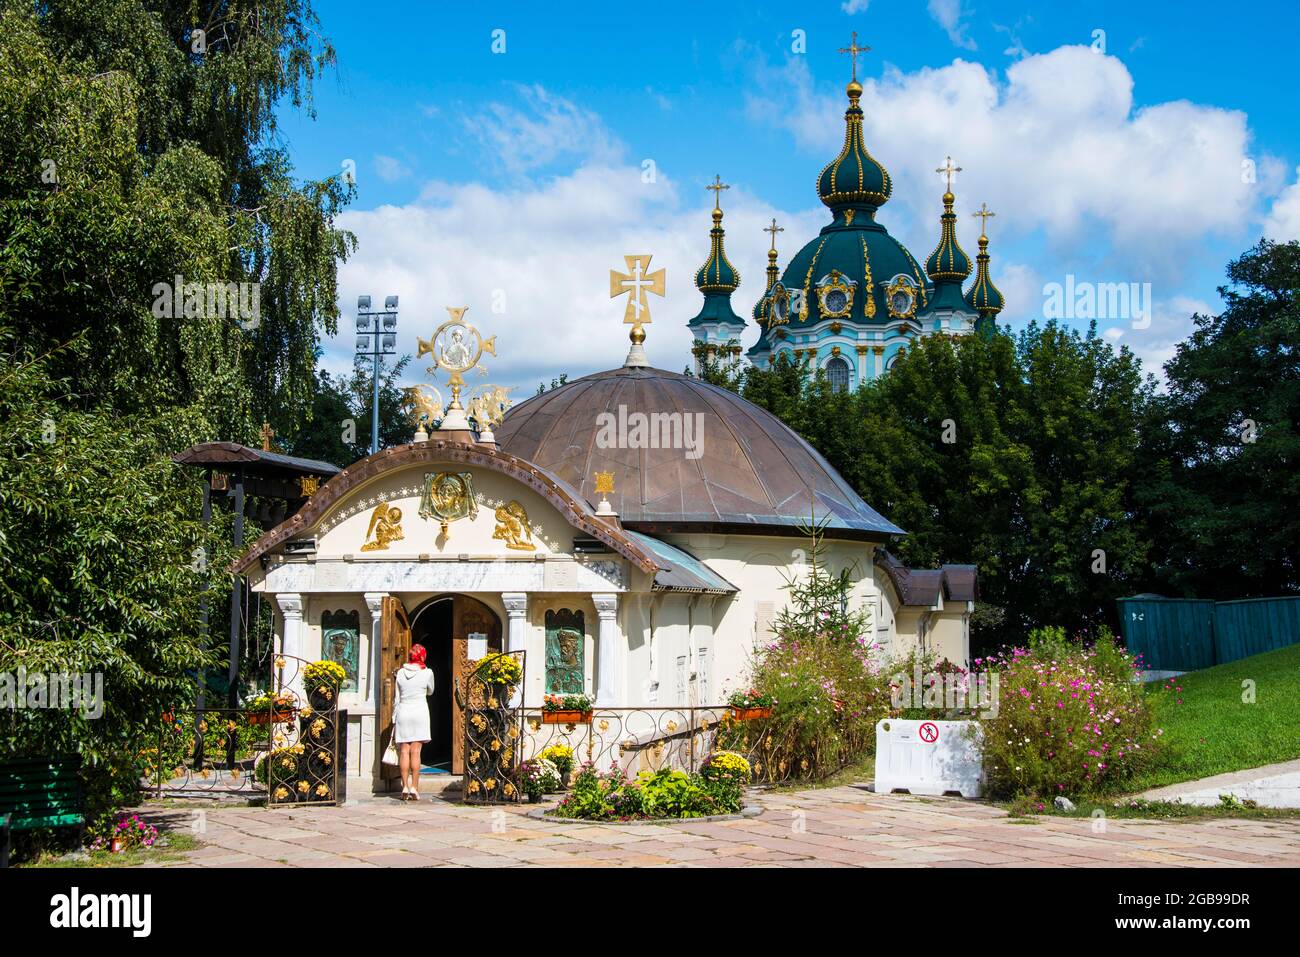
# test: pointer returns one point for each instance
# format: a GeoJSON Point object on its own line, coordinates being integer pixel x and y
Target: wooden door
{"type": "Point", "coordinates": [468, 616]}
{"type": "Point", "coordinates": [395, 646]}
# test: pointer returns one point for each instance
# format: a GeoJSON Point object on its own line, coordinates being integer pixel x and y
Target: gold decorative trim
{"type": "Point", "coordinates": [901, 284]}
{"type": "Point", "coordinates": [835, 283]}
{"type": "Point", "coordinates": [869, 305]}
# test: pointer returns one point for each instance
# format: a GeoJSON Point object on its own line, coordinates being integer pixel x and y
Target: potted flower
{"type": "Point", "coordinates": [560, 755]}
{"type": "Point", "coordinates": [322, 680]}
{"type": "Point", "coordinates": [538, 776]}
{"type": "Point", "coordinates": [267, 708]}
{"type": "Point", "coordinates": [749, 705]}
{"type": "Point", "coordinates": [566, 709]}
{"type": "Point", "coordinates": [500, 672]}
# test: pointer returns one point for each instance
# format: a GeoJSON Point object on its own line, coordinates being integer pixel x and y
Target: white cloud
{"type": "Point", "coordinates": [390, 169]}
{"type": "Point", "coordinates": [949, 15]}
{"type": "Point", "coordinates": [1283, 221]}
{"type": "Point", "coordinates": [1056, 150]}
{"type": "Point", "coordinates": [854, 6]}
{"type": "Point", "coordinates": [538, 129]}
{"type": "Point", "coordinates": [543, 252]}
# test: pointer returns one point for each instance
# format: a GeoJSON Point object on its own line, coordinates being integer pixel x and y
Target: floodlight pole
{"type": "Point", "coordinates": [376, 337]}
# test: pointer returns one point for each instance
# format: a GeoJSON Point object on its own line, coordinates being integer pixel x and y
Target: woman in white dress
{"type": "Point", "coordinates": [412, 688]}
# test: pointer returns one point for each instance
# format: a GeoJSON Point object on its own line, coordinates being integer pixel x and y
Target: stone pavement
{"type": "Point", "coordinates": [832, 827]}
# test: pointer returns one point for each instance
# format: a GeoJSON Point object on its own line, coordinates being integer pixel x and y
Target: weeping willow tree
{"type": "Point", "coordinates": [138, 144]}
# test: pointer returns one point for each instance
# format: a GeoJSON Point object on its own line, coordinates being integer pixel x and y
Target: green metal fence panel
{"type": "Point", "coordinates": [1171, 634]}
{"type": "Point", "coordinates": [1254, 625]}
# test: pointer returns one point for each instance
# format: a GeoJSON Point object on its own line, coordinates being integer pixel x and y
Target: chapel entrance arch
{"type": "Point", "coordinates": [444, 624]}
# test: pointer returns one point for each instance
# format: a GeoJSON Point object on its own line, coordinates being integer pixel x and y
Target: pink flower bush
{"type": "Point", "coordinates": [1071, 720]}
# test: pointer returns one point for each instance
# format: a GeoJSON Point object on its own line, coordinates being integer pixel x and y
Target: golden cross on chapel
{"type": "Point", "coordinates": [635, 283]}
{"type": "Point", "coordinates": [774, 229]}
{"type": "Point", "coordinates": [947, 169]}
{"type": "Point", "coordinates": [984, 213]}
{"type": "Point", "coordinates": [717, 186]}
{"type": "Point", "coordinates": [854, 51]}
{"type": "Point", "coordinates": [267, 433]}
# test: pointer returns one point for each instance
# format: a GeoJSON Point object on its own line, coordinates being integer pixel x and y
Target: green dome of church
{"type": "Point", "coordinates": [853, 270]}
{"type": "Point", "coordinates": [948, 261]}
{"type": "Point", "coordinates": [854, 177]}
{"type": "Point", "coordinates": [717, 274]}
{"type": "Point", "coordinates": [984, 297]}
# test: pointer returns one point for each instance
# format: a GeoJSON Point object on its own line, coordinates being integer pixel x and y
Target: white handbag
{"type": "Point", "coordinates": [390, 753]}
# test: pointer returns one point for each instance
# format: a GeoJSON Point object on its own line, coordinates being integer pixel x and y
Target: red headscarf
{"type": "Point", "coordinates": [418, 655]}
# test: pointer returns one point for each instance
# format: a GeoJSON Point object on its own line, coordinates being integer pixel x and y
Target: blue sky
{"type": "Point", "coordinates": [513, 181]}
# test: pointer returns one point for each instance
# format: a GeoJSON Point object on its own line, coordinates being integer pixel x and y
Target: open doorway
{"type": "Point", "coordinates": [443, 625]}
{"type": "Point", "coordinates": [433, 630]}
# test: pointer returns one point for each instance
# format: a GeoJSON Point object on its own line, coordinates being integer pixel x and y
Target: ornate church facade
{"type": "Point", "coordinates": [853, 298]}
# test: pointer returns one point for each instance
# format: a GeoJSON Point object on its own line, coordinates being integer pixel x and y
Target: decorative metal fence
{"type": "Point", "coordinates": [492, 727]}
{"type": "Point", "coordinates": [650, 739]}
{"type": "Point", "coordinates": [287, 752]}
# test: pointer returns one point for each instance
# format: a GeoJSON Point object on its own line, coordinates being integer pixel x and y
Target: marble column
{"type": "Point", "coordinates": [375, 605]}
{"type": "Point", "coordinates": [609, 650]}
{"type": "Point", "coordinates": [516, 603]}
{"type": "Point", "coordinates": [291, 640]}
{"type": "Point", "coordinates": [368, 732]}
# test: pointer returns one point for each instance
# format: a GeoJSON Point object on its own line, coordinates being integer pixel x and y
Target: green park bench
{"type": "Point", "coordinates": [38, 793]}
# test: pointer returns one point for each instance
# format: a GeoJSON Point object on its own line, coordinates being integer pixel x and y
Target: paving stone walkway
{"type": "Point", "coordinates": [832, 827]}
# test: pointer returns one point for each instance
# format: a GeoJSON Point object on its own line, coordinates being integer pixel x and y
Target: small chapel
{"type": "Point", "coordinates": [639, 570]}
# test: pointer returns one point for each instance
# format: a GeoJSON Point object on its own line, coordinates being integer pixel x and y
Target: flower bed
{"type": "Point", "coordinates": [1070, 720]}
{"type": "Point", "coordinates": [656, 795]}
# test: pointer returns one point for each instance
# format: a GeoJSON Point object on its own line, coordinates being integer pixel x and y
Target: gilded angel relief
{"type": "Point", "coordinates": [512, 527]}
{"type": "Point", "coordinates": [385, 527]}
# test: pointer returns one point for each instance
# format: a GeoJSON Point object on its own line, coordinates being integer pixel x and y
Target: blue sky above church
{"type": "Point", "coordinates": [1115, 144]}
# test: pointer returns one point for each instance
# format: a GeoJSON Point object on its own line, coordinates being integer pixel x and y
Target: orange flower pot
{"type": "Point", "coordinates": [566, 717]}
{"type": "Point", "coordinates": [269, 717]}
{"type": "Point", "coordinates": [750, 714]}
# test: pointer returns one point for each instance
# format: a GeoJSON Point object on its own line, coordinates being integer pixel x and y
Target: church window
{"type": "Point", "coordinates": [566, 641]}
{"type": "Point", "coordinates": [340, 635]}
{"type": "Point", "coordinates": [837, 370]}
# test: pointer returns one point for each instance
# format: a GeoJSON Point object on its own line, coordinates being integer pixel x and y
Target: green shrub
{"type": "Point", "coordinates": [651, 795]}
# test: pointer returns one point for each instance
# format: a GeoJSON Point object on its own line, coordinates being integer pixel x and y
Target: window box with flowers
{"type": "Point", "coordinates": [566, 709]}
{"type": "Point", "coordinates": [750, 705]}
{"type": "Point", "coordinates": [267, 708]}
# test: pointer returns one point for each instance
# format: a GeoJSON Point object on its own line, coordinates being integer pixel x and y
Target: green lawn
{"type": "Point", "coordinates": [1214, 731]}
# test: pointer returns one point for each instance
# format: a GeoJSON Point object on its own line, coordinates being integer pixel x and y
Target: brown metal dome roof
{"type": "Point", "coordinates": [754, 471]}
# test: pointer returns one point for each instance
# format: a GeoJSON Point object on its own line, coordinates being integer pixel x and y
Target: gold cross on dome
{"type": "Point", "coordinates": [984, 213]}
{"type": "Point", "coordinates": [717, 186]}
{"type": "Point", "coordinates": [854, 51]}
{"type": "Point", "coordinates": [774, 229]}
{"type": "Point", "coordinates": [947, 169]}
{"type": "Point", "coordinates": [635, 283]}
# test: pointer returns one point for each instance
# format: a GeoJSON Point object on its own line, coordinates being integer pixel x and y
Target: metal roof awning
{"type": "Point", "coordinates": [681, 571]}
{"type": "Point", "coordinates": [230, 455]}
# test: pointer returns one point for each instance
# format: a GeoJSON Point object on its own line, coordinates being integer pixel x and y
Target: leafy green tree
{"type": "Point", "coordinates": [103, 555]}
{"type": "Point", "coordinates": [1221, 482]}
{"type": "Point", "coordinates": [1016, 454]}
